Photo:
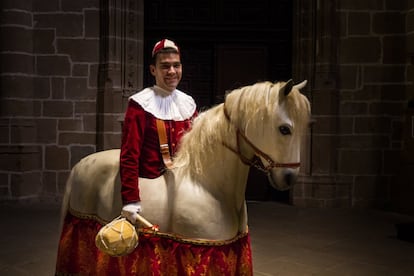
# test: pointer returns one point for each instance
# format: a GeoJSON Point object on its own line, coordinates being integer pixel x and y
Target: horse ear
{"type": "Point", "coordinates": [287, 87]}
{"type": "Point", "coordinates": [301, 85]}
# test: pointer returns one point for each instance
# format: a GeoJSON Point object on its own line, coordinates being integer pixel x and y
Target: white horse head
{"type": "Point", "coordinates": [264, 120]}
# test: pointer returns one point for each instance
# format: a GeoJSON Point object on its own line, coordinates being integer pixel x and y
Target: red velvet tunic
{"type": "Point", "coordinates": [140, 149]}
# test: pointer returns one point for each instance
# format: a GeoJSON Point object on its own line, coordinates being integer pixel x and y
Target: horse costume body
{"type": "Point", "coordinates": [199, 205]}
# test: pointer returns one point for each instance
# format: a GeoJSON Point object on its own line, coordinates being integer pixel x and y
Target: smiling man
{"type": "Point", "coordinates": [161, 106]}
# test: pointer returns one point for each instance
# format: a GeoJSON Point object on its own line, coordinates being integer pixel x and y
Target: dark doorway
{"type": "Point", "coordinates": [225, 44]}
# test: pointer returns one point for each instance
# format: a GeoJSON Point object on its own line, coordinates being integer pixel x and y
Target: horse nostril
{"type": "Point", "coordinates": [290, 178]}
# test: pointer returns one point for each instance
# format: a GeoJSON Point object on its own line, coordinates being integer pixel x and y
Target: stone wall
{"type": "Point", "coordinates": [60, 67]}
{"type": "Point", "coordinates": [361, 80]}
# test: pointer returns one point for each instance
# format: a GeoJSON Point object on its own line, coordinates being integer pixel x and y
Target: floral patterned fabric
{"type": "Point", "coordinates": [156, 254]}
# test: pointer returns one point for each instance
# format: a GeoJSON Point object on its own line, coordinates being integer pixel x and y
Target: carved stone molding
{"type": "Point", "coordinates": [121, 63]}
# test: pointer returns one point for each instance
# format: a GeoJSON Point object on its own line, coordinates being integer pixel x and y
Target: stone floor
{"type": "Point", "coordinates": [286, 240]}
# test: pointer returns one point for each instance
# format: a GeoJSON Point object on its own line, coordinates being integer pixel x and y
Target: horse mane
{"type": "Point", "coordinates": [211, 127]}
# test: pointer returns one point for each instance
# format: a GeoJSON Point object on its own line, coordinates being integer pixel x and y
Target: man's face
{"type": "Point", "coordinates": [167, 71]}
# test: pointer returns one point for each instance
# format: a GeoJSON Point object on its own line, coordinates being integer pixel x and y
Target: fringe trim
{"type": "Point", "coordinates": [172, 236]}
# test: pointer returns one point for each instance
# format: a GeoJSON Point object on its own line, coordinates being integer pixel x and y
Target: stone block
{"type": "Point", "coordinates": [368, 93]}
{"type": "Point", "coordinates": [92, 21]}
{"type": "Point", "coordinates": [85, 107]}
{"type": "Point", "coordinates": [46, 130]}
{"type": "Point", "coordinates": [17, 63]}
{"type": "Point", "coordinates": [16, 4]}
{"type": "Point", "coordinates": [19, 39]}
{"type": "Point", "coordinates": [20, 158]}
{"type": "Point", "coordinates": [323, 154]}
{"type": "Point", "coordinates": [33, 131]}
{"type": "Point", "coordinates": [323, 191]}
{"type": "Point", "coordinates": [77, 89]}
{"type": "Point", "coordinates": [66, 24]}
{"type": "Point", "coordinates": [56, 158]}
{"type": "Point", "coordinates": [346, 125]}
{"type": "Point", "coordinates": [44, 41]}
{"type": "Point", "coordinates": [58, 88]}
{"type": "Point", "coordinates": [364, 141]}
{"type": "Point", "coordinates": [112, 123]}
{"type": "Point", "coordinates": [49, 183]}
{"type": "Point", "coordinates": [18, 86]}
{"type": "Point", "coordinates": [388, 23]}
{"type": "Point", "coordinates": [15, 108]}
{"type": "Point", "coordinates": [80, 138]}
{"type": "Point", "coordinates": [384, 73]}
{"type": "Point", "coordinates": [394, 50]}
{"type": "Point", "coordinates": [23, 131]}
{"type": "Point", "coordinates": [53, 65]}
{"type": "Point", "coordinates": [70, 125]}
{"type": "Point", "coordinates": [89, 122]}
{"type": "Point", "coordinates": [4, 131]}
{"type": "Point", "coordinates": [27, 184]}
{"type": "Point", "coordinates": [325, 125]}
{"type": "Point", "coordinates": [373, 125]}
{"type": "Point", "coordinates": [15, 17]}
{"type": "Point", "coordinates": [325, 102]}
{"type": "Point", "coordinates": [15, 86]}
{"type": "Point", "coordinates": [80, 50]}
{"type": "Point", "coordinates": [69, 5]}
{"type": "Point", "coordinates": [348, 76]}
{"type": "Point", "coordinates": [369, 187]}
{"type": "Point", "coordinates": [58, 109]}
{"type": "Point", "coordinates": [41, 88]}
{"type": "Point", "coordinates": [80, 70]}
{"type": "Point", "coordinates": [360, 50]}
{"type": "Point", "coordinates": [360, 161]}
{"type": "Point", "coordinates": [359, 23]}
{"type": "Point", "coordinates": [387, 108]}
{"type": "Point", "coordinates": [353, 108]}
{"type": "Point", "coordinates": [45, 6]}
{"type": "Point", "coordinates": [79, 152]}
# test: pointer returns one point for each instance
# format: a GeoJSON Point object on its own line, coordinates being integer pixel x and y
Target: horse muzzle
{"type": "Point", "coordinates": [283, 179]}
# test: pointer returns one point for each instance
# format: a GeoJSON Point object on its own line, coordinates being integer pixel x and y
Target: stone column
{"type": "Point", "coordinates": [316, 32]}
{"type": "Point", "coordinates": [121, 64]}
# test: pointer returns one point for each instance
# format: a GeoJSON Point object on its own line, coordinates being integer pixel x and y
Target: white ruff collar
{"type": "Point", "coordinates": [164, 105]}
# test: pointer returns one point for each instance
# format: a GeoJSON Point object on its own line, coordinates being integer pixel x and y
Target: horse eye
{"type": "Point", "coordinates": [285, 130]}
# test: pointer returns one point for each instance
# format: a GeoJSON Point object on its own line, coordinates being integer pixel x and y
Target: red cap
{"type": "Point", "coordinates": [163, 44]}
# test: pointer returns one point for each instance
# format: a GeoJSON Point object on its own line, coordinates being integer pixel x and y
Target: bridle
{"type": "Point", "coordinates": [255, 161]}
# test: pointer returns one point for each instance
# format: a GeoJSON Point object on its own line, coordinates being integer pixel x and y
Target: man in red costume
{"type": "Point", "coordinates": [140, 149]}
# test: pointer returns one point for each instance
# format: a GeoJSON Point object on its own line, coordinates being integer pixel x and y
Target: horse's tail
{"type": "Point", "coordinates": [66, 197]}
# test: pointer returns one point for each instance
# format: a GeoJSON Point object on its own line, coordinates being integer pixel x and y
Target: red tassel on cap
{"type": "Point", "coordinates": [165, 43]}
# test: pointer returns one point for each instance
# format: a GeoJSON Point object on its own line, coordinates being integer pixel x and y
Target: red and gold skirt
{"type": "Point", "coordinates": [156, 254]}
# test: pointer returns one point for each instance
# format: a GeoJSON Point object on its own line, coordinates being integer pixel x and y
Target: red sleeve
{"type": "Point", "coordinates": [132, 139]}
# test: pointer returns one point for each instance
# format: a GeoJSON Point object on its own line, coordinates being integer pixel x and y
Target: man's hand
{"type": "Point", "coordinates": [129, 211]}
